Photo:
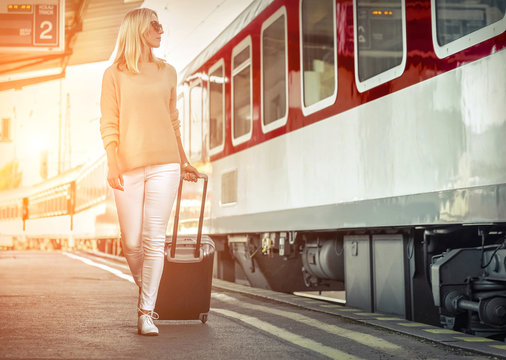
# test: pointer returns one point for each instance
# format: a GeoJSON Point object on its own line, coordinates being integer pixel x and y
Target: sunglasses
{"type": "Point", "coordinates": [157, 26]}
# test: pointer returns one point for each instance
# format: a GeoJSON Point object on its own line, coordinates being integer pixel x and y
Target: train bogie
{"type": "Point", "coordinates": [471, 281]}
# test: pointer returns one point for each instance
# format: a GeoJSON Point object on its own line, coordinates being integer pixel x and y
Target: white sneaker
{"type": "Point", "coordinates": [146, 326]}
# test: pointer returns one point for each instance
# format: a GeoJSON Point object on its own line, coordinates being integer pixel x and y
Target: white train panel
{"type": "Point", "coordinates": [429, 137]}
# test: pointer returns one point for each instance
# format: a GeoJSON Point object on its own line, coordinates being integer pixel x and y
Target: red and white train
{"type": "Point", "coordinates": [356, 145]}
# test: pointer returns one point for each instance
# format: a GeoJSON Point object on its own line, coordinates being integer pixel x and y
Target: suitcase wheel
{"type": "Point", "coordinates": [203, 318]}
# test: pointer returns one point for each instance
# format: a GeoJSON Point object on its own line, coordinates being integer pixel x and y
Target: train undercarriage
{"type": "Point", "coordinates": [453, 276]}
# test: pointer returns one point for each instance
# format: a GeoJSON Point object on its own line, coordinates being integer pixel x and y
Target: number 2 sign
{"type": "Point", "coordinates": [45, 32]}
{"type": "Point", "coordinates": [32, 25]}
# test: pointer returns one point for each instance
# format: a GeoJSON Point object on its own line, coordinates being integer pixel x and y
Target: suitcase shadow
{"type": "Point", "coordinates": [178, 322]}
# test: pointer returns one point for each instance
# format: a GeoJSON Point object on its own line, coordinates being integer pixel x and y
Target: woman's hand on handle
{"type": "Point", "coordinates": [189, 173]}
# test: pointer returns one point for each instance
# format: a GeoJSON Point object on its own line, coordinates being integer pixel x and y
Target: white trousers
{"type": "Point", "coordinates": [143, 210]}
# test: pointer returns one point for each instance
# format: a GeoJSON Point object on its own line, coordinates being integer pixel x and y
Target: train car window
{"type": "Point", "coordinates": [5, 130]}
{"type": "Point", "coordinates": [380, 41]}
{"type": "Point", "coordinates": [216, 107]}
{"type": "Point", "coordinates": [274, 71]}
{"type": "Point", "coordinates": [241, 92]}
{"type": "Point", "coordinates": [457, 25]}
{"type": "Point", "coordinates": [318, 54]}
{"type": "Point", "coordinates": [196, 121]}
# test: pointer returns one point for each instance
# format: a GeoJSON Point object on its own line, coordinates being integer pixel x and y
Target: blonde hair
{"type": "Point", "coordinates": [131, 40]}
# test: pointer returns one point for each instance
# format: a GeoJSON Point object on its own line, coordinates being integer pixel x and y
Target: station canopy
{"type": "Point", "coordinates": [91, 28]}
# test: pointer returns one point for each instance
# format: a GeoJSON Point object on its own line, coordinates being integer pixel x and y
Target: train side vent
{"type": "Point", "coordinates": [229, 187]}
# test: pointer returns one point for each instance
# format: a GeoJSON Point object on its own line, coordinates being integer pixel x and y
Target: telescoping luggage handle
{"type": "Point", "coordinates": [201, 217]}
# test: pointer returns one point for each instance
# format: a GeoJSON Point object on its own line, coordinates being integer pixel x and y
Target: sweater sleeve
{"type": "Point", "coordinates": [174, 113]}
{"type": "Point", "coordinates": [109, 122]}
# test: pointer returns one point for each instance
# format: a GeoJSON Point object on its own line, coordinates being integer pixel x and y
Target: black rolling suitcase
{"type": "Point", "coordinates": [185, 286]}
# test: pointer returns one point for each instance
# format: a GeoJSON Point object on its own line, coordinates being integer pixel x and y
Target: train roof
{"type": "Point", "coordinates": [6, 196]}
{"type": "Point", "coordinates": [63, 178]}
{"type": "Point", "coordinates": [240, 22]}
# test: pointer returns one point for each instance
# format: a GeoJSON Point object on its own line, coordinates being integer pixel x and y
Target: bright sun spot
{"type": "Point", "coordinates": [37, 143]}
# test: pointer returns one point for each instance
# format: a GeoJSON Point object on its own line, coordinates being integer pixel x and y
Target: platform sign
{"type": "Point", "coordinates": [33, 25]}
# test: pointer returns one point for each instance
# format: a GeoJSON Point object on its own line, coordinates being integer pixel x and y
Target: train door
{"type": "Point", "coordinates": [196, 123]}
{"type": "Point", "coordinates": [318, 55]}
{"type": "Point", "coordinates": [216, 91]}
{"type": "Point", "coordinates": [274, 74]}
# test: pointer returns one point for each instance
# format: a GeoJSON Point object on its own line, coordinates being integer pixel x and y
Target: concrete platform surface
{"type": "Point", "coordinates": [60, 306]}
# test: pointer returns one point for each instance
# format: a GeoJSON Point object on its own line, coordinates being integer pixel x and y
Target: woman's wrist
{"type": "Point", "coordinates": [112, 153]}
{"type": "Point", "coordinates": [184, 164]}
{"type": "Point", "coordinates": [112, 158]}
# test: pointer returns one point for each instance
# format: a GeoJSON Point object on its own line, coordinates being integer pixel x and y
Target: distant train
{"type": "Point", "coordinates": [55, 213]}
{"type": "Point", "coordinates": [351, 145]}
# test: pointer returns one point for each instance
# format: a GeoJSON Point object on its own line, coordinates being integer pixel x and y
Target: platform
{"type": "Point", "coordinates": [56, 305]}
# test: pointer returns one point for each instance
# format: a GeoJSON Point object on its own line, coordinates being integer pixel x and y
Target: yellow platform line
{"type": "Point", "coordinates": [412, 324]}
{"type": "Point", "coordinates": [288, 336]}
{"type": "Point", "coordinates": [365, 314]}
{"type": "Point", "coordinates": [337, 307]}
{"type": "Point", "coordinates": [364, 339]}
{"type": "Point", "coordinates": [501, 347]}
{"type": "Point", "coordinates": [441, 331]}
{"type": "Point", "coordinates": [388, 319]}
{"type": "Point", "coordinates": [473, 339]}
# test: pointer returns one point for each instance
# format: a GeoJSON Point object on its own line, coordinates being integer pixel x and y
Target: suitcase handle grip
{"type": "Point", "coordinates": [201, 217]}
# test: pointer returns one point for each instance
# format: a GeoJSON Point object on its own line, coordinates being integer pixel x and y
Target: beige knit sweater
{"type": "Point", "coordinates": [139, 114]}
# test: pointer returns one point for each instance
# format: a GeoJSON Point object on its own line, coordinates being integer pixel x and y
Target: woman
{"type": "Point", "coordinates": [140, 132]}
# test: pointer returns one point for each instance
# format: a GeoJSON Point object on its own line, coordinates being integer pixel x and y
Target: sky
{"type": "Point", "coordinates": [38, 110]}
